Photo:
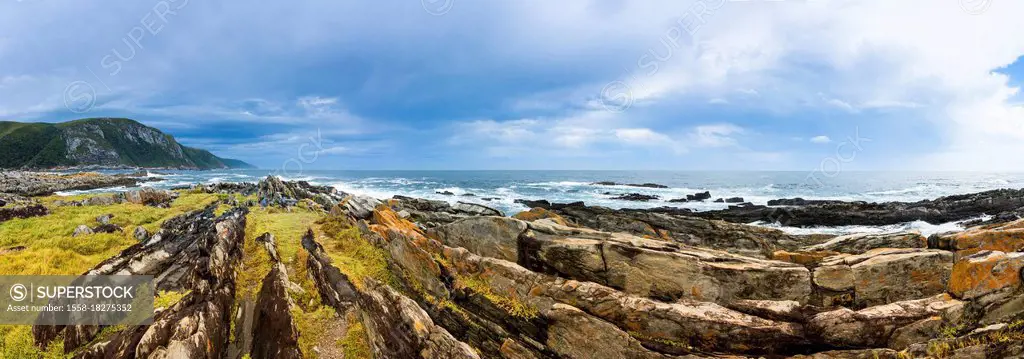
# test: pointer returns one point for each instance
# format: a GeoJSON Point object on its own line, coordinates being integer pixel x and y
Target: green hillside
{"type": "Point", "coordinates": [109, 142]}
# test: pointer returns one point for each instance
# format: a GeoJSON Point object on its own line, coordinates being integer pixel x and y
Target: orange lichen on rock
{"type": "Point", "coordinates": [384, 219]}
{"type": "Point", "coordinates": [985, 272]}
{"type": "Point", "coordinates": [812, 258]}
{"type": "Point", "coordinates": [538, 213]}
{"type": "Point", "coordinates": [1007, 238]}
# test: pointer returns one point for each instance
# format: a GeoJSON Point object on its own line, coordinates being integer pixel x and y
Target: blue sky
{"type": "Point", "coordinates": [822, 85]}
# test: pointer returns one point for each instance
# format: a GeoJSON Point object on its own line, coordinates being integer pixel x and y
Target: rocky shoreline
{"type": "Point", "coordinates": [568, 280]}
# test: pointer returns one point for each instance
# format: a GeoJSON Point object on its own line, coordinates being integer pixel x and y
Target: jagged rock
{"type": "Point", "coordinates": [874, 326]}
{"type": "Point", "coordinates": [720, 200]}
{"type": "Point", "coordinates": [986, 272]}
{"type": "Point", "coordinates": [274, 334]}
{"type": "Point", "coordinates": [272, 191]}
{"type": "Point", "coordinates": [12, 212]}
{"type": "Point", "coordinates": [104, 219]}
{"type": "Point", "coordinates": [734, 200]}
{"type": "Point", "coordinates": [575, 334]}
{"type": "Point", "coordinates": [198, 325]}
{"type": "Point", "coordinates": [678, 200]}
{"type": "Point", "coordinates": [150, 197]}
{"type": "Point", "coordinates": [917, 332]}
{"type": "Point", "coordinates": [1003, 238]}
{"type": "Point", "coordinates": [140, 234]}
{"type": "Point", "coordinates": [883, 276]}
{"type": "Point", "coordinates": [804, 213]}
{"type": "Point", "coordinates": [431, 213]}
{"type": "Point", "coordinates": [860, 243]}
{"type": "Point", "coordinates": [82, 230]}
{"type": "Point", "coordinates": [701, 196]}
{"type": "Point", "coordinates": [359, 206]}
{"type": "Point", "coordinates": [445, 193]}
{"type": "Point", "coordinates": [474, 209]}
{"type": "Point", "coordinates": [635, 197]}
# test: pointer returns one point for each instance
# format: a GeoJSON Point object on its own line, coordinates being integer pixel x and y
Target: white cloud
{"type": "Point", "coordinates": [821, 139]}
{"type": "Point", "coordinates": [717, 135]}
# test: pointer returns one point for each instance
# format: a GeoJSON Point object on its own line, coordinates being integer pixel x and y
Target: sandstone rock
{"type": "Point", "coordinates": [853, 354]}
{"type": "Point", "coordinates": [807, 259]}
{"type": "Point", "coordinates": [474, 209]}
{"type": "Point", "coordinates": [986, 272]}
{"type": "Point", "coordinates": [874, 326]}
{"type": "Point", "coordinates": [495, 237]}
{"type": "Point", "coordinates": [82, 230]}
{"type": "Point", "coordinates": [779, 310]}
{"type": "Point", "coordinates": [575, 334]}
{"type": "Point", "coordinates": [883, 276]}
{"type": "Point", "coordinates": [539, 214]}
{"type": "Point", "coordinates": [1003, 238]}
{"type": "Point", "coordinates": [359, 206]}
{"type": "Point", "coordinates": [860, 243]}
{"type": "Point", "coordinates": [918, 332]}
{"type": "Point", "coordinates": [149, 196]}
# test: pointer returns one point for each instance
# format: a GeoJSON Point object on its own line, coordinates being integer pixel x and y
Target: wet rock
{"type": "Point", "coordinates": [81, 230]}
{"type": "Point", "coordinates": [720, 200]}
{"type": "Point", "coordinates": [702, 196]}
{"type": "Point", "coordinates": [643, 185]}
{"type": "Point", "coordinates": [883, 276]}
{"type": "Point", "coordinates": [636, 197]}
{"type": "Point", "coordinates": [734, 200]}
{"type": "Point", "coordinates": [445, 193]}
{"type": "Point", "coordinates": [874, 326]}
{"type": "Point", "coordinates": [860, 243]}
{"type": "Point", "coordinates": [678, 200]}
{"type": "Point", "coordinates": [805, 213]}
{"type": "Point", "coordinates": [12, 212]}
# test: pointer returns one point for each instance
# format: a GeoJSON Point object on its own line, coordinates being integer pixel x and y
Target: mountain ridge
{"type": "Point", "coordinates": [100, 142]}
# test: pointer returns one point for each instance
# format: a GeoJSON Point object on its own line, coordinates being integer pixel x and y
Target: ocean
{"type": "Point", "coordinates": [504, 187]}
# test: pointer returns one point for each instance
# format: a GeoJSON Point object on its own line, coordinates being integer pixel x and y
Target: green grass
{"type": "Point", "coordinates": [355, 343]}
{"type": "Point", "coordinates": [16, 342]}
{"type": "Point", "coordinates": [50, 249]}
{"type": "Point", "coordinates": [354, 256]}
{"type": "Point", "coordinates": [167, 299]}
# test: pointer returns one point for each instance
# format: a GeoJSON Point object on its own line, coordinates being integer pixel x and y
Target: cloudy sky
{"type": "Point", "coordinates": [574, 84]}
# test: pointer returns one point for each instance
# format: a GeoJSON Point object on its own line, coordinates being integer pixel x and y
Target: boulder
{"type": "Point", "coordinates": [359, 206]}
{"type": "Point", "coordinates": [734, 200]}
{"type": "Point", "coordinates": [860, 243]}
{"type": "Point", "coordinates": [140, 234]}
{"type": "Point", "coordinates": [104, 219]}
{"type": "Point", "coordinates": [495, 237]}
{"type": "Point", "coordinates": [986, 272]}
{"type": "Point", "coordinates": [883, 276]}
{"type": "Point", "coordinates": [875, 326]}
{"type": "Point", "coordinates": [107, 228]}
{"type": "Point", "coordinates": [636, 197]}
{"type": "Point", "coordinates": [701, 196]}
{"type": "Point", "coordinates": [538, 213]}
{"type": "Point", "coordinates": [81, 230]}
{"type": "Point", "coordinates": [1003, 238]}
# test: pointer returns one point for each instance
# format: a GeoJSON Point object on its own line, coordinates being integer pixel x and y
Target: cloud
{"type": "Point", "coordinates": [717, 135]}
{"type": "Point", "coordinates": [821, 139]}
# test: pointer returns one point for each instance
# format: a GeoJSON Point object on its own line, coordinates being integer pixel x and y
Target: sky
{"type": "Point", "coordinates": [808, 85]}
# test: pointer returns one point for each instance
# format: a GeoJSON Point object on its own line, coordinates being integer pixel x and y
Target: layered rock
{"type": "Point", "coordinates": [198, 325]}
{"type": "Point", "coordinates": [1007, 237]}
{"type": "Point", "coordinates": [860, 243]}
{"type": "Point", "coordinates": [803, 213]}
{"type": "Point", "coordinates": [430, 213]}
{"type": "Point", "coordinates": [882, 276]}
{"type": "Point", "coordinates": [274, 334]}
{"type": "Point", "coordinates": [45, 183]}
{"type": "Point", "coordinates": [272, 191]}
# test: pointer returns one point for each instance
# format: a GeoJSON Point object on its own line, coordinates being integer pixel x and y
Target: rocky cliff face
{"type": "Point", "coordinates": [105, 142]}
{"type": "Point", "coordinates": [453, 281]}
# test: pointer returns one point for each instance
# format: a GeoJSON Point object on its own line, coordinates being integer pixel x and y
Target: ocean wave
{"type": "Point", "coordinates": [926, 229]}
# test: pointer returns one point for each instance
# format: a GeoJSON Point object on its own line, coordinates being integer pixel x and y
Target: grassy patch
{"type": "Point", "coordinates": [167, 299]}
{"type": "Point", "coordinates": [50, 249]}
{"type": "Point", "coordinates": [353, 255]}
{"type": "Point", "coordinates": [16, 342]}
{"type": "Point", "coordinates": [355, 343]}
{"type": "Point", "coordinates": [1014, 332]}
{"type": "Point", "coordinates": [311, 327]}
{"type": "Point", "coordinates": [513, 306]}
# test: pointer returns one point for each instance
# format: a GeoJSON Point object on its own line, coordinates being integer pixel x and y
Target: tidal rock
{"type": "Point", "coordinates": [860, 243]}
{"type": "Point", "coordinates": [882, 276]}
{"type": "Point", "coordinates": [678, 200]}
{"type": "Point", "coordinates": [720, 200]}
{"type": "Point", "coordinates": [81, 230]}
{"type": "Point", "coordinates": [642, 185]}
{"type": "Point", "coordinates": [538, 213]}
{"type": "Point", "coordinates": [635, 197]}
{"type": "Point", "coordinates": [734, 200]}
{"type": "Point", "coordinates": [272, 191]}
{"type": "Point", "coordinates": [805, 213]}
{"type": "Point", "coordinates": [445, 193]}
{"type": "Point", "coordinates": [699, 196]}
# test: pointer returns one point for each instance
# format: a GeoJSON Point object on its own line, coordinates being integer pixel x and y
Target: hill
{"type": "Point", "coordinates": [106, 142]}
